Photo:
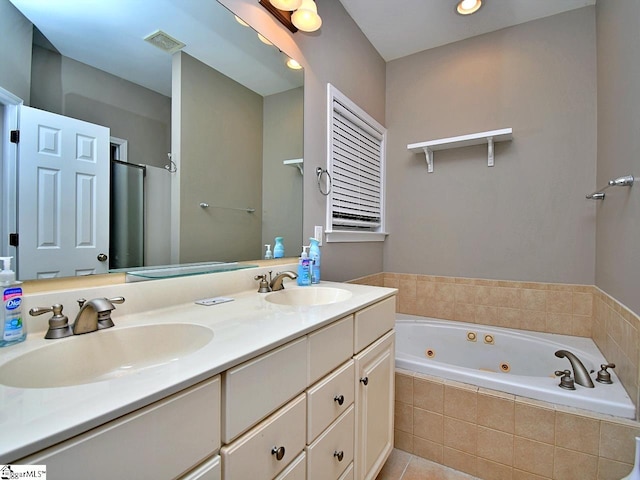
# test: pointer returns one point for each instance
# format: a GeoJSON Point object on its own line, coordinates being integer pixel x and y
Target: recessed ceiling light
{"type": "Point", "coordinates": [467, 7]}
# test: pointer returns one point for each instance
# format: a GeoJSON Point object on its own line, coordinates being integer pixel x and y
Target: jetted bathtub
{"type": "Point", "coordinates": [512, 361]}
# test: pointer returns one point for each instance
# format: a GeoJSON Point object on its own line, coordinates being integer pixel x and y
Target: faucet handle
{"type": "Point", "coordinates": [264, 284]}
{"type": "Point", "coordinates": [566, 381]}
{"type": "Point", "coordinates": [58, 323]}
{"type": "Point", "coordinates": [603, 375]}
{"type": "Point", "coordinates": [117, 300]}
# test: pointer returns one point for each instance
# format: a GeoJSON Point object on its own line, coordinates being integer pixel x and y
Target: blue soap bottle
{"type": "Point", "coordinates": [278, 248]}
{"type": "Point", "coordinates": [314, 256]}
{"type": "Point", "coordinates": [13, 328]}
{"type": "Point", "coordinates": [304, 269]}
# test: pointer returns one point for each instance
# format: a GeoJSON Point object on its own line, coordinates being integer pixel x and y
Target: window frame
{"type": "Point", "coordinates": [334, 233]}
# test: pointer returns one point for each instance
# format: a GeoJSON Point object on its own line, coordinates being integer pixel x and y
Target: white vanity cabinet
{"type": "Point", "coordinates": [166, 439]}
{"type": "Point", "coordinates": [318, 407]}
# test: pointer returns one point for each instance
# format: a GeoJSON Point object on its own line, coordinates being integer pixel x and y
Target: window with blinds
{"type": "Point", "coordinates": [356, 151]}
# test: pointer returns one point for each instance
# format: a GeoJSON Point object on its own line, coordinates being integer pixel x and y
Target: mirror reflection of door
{"type": "Point", "coordinates": [64, 221]}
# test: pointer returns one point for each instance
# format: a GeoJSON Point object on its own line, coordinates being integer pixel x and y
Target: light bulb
{"type": "Point", "coordinates": [240, 21]}
{"type": "Point", "coordinates": [293, 64]}
{"type": "Point", "coordinates": [467, 7]}
{"type": "Point", "coordinates": [264, 40]}
{"type": "Point", "coordinates": [287, 5]}
{"type": "Point", "coordinates": [306, 18]}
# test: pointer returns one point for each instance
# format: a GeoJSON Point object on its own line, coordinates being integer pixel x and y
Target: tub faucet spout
{"type": "Point", "coordinates": [580, 373]}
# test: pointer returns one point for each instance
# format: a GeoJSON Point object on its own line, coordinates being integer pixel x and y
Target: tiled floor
{"type": "Point", "coordinates": [405, 466]}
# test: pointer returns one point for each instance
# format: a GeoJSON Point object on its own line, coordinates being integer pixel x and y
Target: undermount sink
{"type": "Point", "coordinates": [309, 296]}
{"type": "Point", "coordinates": [103, 355]}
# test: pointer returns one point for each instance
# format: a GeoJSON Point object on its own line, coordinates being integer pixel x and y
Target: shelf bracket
{"type": "Point", "coordinates": [428, 153]}
{"type": "Point", "coordinates": [490, 152]}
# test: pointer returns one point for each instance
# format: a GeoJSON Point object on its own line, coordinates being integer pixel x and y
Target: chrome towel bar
{"type": "Point", "coordinates": [625, 181]}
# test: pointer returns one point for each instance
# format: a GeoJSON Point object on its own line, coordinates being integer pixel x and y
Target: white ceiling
{"type": "Point", "coordinates": [403, 27]}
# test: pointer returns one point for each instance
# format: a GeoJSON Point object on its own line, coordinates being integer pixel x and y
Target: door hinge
{"type": "Point", "coordinates": [15, 136]}
{"type": "Point", "coordinates": [13, 239]}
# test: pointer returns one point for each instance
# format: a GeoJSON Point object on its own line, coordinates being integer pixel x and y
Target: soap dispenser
{"type": "Point", "coordinates": [268, 255]}
{"type": "Point", "coordinates": [304, 268]}
{"type": "Point", "coordinates": [13, 328]}
{"type": "Point", "coordinates": [314, 256]}
{"type": "Point", "coordinates": [278, 248]}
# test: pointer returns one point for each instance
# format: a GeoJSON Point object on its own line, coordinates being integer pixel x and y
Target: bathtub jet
{"type": "Point", "coordinates": [580, 373]}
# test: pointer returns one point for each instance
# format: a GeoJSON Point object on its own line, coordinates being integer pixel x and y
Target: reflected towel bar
{"type": "Point", "coordinates": [248, 209]}
{"type": "Point", "coordinates": [625, 181]}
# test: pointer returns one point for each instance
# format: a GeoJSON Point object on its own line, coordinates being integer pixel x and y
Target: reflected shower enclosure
{"type": "Point", "coordinates": [126, 215]}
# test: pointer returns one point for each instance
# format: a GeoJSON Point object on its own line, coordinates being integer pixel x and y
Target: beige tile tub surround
{"type": "Point", "coordinates": [494, 436]}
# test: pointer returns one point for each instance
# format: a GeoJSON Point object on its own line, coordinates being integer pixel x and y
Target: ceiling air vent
{"type": "Point", "coordinates": [164, 41]}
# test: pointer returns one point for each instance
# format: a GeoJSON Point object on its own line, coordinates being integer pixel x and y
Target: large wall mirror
{"type": "Point", "coordinates": [204, 139]}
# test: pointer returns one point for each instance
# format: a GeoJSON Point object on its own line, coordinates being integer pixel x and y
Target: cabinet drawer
{"type": "Point", "coordinates": [329, 347]}
{"type": "Point", "coordinates": [348, 473]}
{"type": "Point", "coordinates": [373, 322]}
{"type": "Point", "coordinates": [322, 405]}
{"type": "Point", "coordinates": [163, 440]}
{"type": "Point", "coordinates": [209, 470]}
{"type": "Point", "coordinates": [323, 456]}
{"type": "Point", "coordinates": [250, 456]}
{"type": "Point", "coordinates": [297, 470]}
{"type": "Point", "coordinates": [257, 387]}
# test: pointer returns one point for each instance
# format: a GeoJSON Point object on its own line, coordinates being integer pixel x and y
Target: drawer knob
{"type": "Point", "coordinates": [278, 452]}
{"type": "Point", "coordinates": [365, 381]}
{"type": "Point", "coordinates": [339, 399]}
{"type": "Point", "coordinates": [339, 455]}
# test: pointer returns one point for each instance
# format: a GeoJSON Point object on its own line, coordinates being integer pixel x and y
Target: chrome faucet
{"type": "Point", "coordinates": [277, 283]}
{"type": "Point", "coordinates": [580, 373]}
{"type": "Point", "coordinates": [94, 314]}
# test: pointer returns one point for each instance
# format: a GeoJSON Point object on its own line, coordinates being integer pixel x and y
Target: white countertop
{"type": "Point", "coordinates": [36, 418]}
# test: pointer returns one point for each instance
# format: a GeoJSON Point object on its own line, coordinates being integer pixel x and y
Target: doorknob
{"type": "Point", "coordinates": [102, 257]}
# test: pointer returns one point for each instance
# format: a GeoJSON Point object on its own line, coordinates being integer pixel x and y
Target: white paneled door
{"type": "Point", "coordinates": [63, 196]}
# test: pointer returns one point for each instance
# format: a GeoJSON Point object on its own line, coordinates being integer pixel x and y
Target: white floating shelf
{"type": "Point", "coordinates": [296, 162]}
{"type": "Point", "coordinates": [480, 138]}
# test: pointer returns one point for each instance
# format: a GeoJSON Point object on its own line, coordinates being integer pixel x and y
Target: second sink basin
{"type": "Point", "coordinates": [103, 355]}
{"type": "Point", "coordinates": [309, 296]}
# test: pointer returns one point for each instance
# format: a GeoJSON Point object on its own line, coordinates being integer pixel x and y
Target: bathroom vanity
{"type": "Point", "coordinates": [288, 390]}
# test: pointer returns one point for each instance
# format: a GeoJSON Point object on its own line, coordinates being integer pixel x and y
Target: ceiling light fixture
{"type": "Point", "coordinates": [240, 21]}
{"type": "Point", "coordinates": [467, 7]}
{"type": "Point", "coordinates": [293, 64]}
{"type": "Point", "coordinates": [294, 14]}
{"type": "Point", "coordinates": [288, 5]}
{"type": "Point", "coordinates": [306, 17]}
{"type": "Point", "coordinates": [264, 40]}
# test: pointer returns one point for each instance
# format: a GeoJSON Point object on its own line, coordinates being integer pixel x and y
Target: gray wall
{"type": "Point", "coordinates": [282, 184]}
{"type": "Point", "coordinates": [526, 218]}
{"type": "Point", "coordinates": [15, 54]}
{"type": "Point", "coordinates": [618, 227]}
{"type": "Point", "coordinates": [220, 163]}
{"type": "Point", "coordinates": [338, 53]}
{"type": "Point", "coordinates": [141, 116]}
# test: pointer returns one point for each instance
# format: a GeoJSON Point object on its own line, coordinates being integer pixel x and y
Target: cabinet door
{"type": "Point", "coordinates": [374, 406]}
{"type": "Point", "coordinates": [164, 440]}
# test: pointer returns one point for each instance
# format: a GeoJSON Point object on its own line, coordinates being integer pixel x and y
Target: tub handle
{"type": "Point", "coordinates": [364, 381]}
{"type": "Point", "coordinates": [603, 375]}
{"type": "Point", "coordinates": [566, 381]}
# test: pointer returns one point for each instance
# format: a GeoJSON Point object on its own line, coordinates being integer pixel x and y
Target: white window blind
{"type": "Point", "coordinates": [356, 149]}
